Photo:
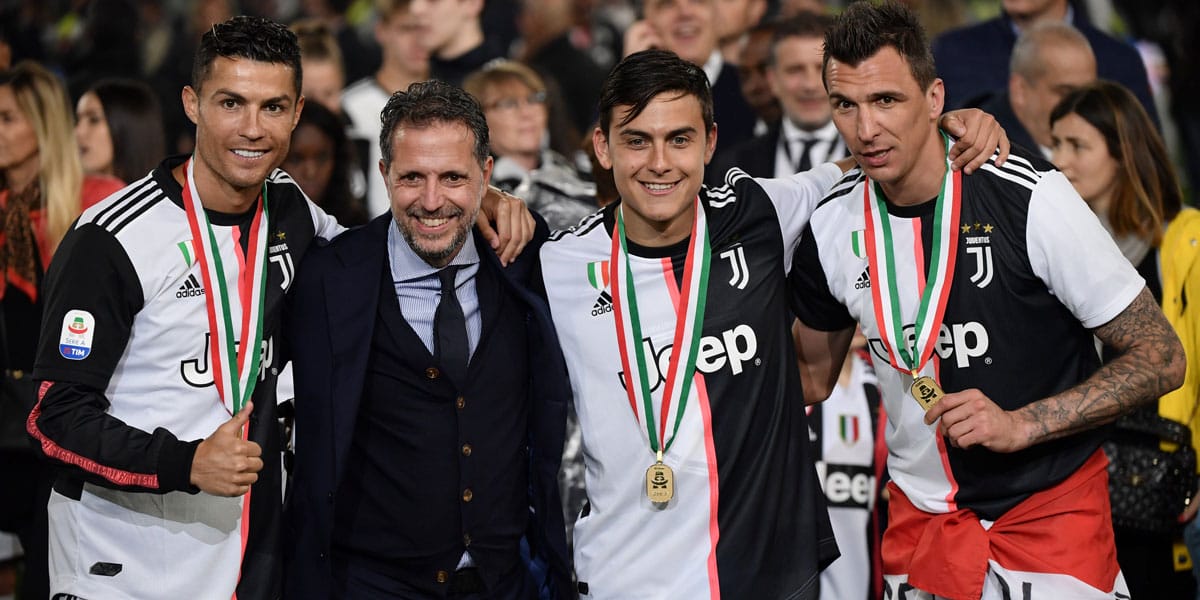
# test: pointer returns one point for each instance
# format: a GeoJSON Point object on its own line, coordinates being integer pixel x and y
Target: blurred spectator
{"type": "Point", "coordinates": [688, 28]}
{"type": "Point", "coordinates": [734, 19]}
{"type": "Point", "coordinates": [405, 60]}
{"type": "Point", "coordinates": [805, 136]}
{"type": "Point", "coordinates": [599, 27]}
{"type": "Point", "coordinates": [545, 27]}
{"type": "Point", "coordinates": [1049, 60]}
{"type": "Point", "coordinates": [514, 101]}
{"type": "Point", "coordinates": [108, 47]}
{"type": "Point", "coordinates": [119, 129]}
{"type": "Point", "coordinates": [322, 64]}
{"type": "Point", "coordinates": [1110, 151]}
{"type": "Point", "coordinates": [321, 159]}
{"type": "Point", "coordinates": [453, 33]}
{"type": "Point", "coordinates": [753, 73]}
{"type": "Point", "coordinates": [791, 8]}
{"type": "Point", "coordinates": [973, 60]}
{"type": "Point", "coordinates": [42, 191]}
{"type": "Point", "coordinates": [361, 58]}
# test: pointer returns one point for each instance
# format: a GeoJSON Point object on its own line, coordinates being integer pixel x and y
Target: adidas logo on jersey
{"type": "Point", "coordinates": [864, 280]}
{"type": "Point", "coordinates": [191, 288]}
{"type": "Point", "coordinates": [604, 304]}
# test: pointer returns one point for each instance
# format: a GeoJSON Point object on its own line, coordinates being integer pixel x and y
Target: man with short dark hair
{"type": "Point", "coordinates": [431, 399]}
{"type": "Point", "coordinates": [158, 353]}
{"type": "Point", "coordinates": [980, 296]}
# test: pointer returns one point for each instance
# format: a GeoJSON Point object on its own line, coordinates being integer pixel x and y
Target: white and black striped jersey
{"type": "Point", "coordinates": [127, 393]}
{"type": "Point", "coordinates": [747, 519]}
{"type": "Point", "coordinates": [1035, 272]}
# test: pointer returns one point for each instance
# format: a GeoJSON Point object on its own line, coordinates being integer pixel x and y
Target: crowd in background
{"type": "Point", "coordinates": [536, 67]}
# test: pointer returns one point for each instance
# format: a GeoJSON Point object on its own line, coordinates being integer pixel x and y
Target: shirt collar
{"type": "Point", "coordinates": [712, 67]}
{"type": "Point", "coordinates": [407, 266]}
{"type": "Point", "coordinates": [793, 133]}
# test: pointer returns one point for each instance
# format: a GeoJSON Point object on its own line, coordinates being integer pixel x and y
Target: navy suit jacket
{"type": "Point", "coordinates": [973, 61]}
{"type": "Point", "coordinates": [331, 317]}
{"type": "Point", "coordinates": [1000, 107]}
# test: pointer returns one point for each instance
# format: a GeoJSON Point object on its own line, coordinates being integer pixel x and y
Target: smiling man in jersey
{"type": "Point", "coordinates": [980, 295]}
{"type": "Point", "coordinates": [671, 311]}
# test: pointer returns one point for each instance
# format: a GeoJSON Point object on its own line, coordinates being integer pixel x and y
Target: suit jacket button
{"type": "Point", "coordinates": [466, 449]}
{"type": "Point", "coordinates": [466, 539]}
{"type": "Point", "coordinates": [432, 373]}
{"type": "Point", "coordinates": [442, 576]}
{"type": "Point", "coordinates": [467, 495]}
{"type": "Point", "coordinates": [460, 402]}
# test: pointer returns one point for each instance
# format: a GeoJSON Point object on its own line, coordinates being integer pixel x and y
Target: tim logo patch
{"type": "Point", "coordinates": [75, 343]}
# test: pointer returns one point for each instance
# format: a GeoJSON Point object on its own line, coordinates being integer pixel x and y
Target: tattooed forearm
{"type": "Point", "coordinates": [1150, 364]}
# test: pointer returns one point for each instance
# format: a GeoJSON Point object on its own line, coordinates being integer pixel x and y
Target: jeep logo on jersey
{"type": "Point", "coordinates": [734, 347]}
{"type": "Point", "coordinates": [963, 341]}
{"type": "Point", "coordinates": [847, 486]}
{"type": "Point", "coordinates": [196, 371]}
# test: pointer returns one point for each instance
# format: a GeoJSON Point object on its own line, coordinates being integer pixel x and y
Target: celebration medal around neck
{"type": "Point", "coordinates": [235, 369]}
{"type": "Point", "coordinates": [689, 323]}
{"type": "Point", "coordinates": [906, 357]}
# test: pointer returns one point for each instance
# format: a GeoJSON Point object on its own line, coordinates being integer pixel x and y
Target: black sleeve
{"type": "Point", "coordinates": [92, 295]}
{"type": "Point", "coordinates": [808, 291]}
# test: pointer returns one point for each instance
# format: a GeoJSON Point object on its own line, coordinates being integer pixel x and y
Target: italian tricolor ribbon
{"type": "Point", "coordinates": [905, 355]}
{"type": "Point", "coordinates": [689, 324]}
{"type": "Point", "coordinates": [235, 367]}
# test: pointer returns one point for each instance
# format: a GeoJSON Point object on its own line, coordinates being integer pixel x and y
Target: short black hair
{"type": "Point", "coordinates": [255, 38]}
{"type": "Point", "coordinates": [643, 76]}
{"type": "Point", "coordinates": [428, 102]}
{"type": "Point", "coordinates": [806, 24]}
{"type": "Point", "coordinates": [865, 28]}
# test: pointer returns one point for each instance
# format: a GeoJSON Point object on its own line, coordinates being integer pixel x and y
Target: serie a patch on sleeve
{"type": "Point", "coordinates": [75, 343]}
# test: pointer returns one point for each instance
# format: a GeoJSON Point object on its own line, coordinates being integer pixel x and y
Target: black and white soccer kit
{"type": "Point", "coordinates": [127, 394]}
{"type": "Point", "coordinates": [1035, 272]}
{"type": "Point", "coordinates": [746, 520]}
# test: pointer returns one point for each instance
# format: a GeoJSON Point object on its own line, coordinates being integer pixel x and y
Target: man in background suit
{"type": "Point", "coordinates": [431, 393]}
{"type": "Point", "coordinates": [805, 136]}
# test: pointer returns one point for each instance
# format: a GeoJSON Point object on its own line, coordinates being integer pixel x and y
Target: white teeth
{"type": "Point", "coordinates": [433, 222]}
{"type": "Point", "coordinates": [658, 187]}
{"type": "Point", "coordinates": [249, 153]}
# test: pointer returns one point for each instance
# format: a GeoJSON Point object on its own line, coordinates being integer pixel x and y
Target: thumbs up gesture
{"type": "Point", "coordinates": [225, 464]}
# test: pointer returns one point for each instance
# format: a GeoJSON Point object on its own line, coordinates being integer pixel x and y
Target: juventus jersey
{"type": "Point", "coordinates": [746, 520]}
{"type": "Point", "coordinates": [1035, 272]}
{"type": "Point", "coordinates": [843, 430]}
{"type": "Point", "coordinates": [125, 316]}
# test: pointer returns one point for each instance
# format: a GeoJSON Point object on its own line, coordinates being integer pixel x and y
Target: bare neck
{"type": "Point", "coordinates": [657, 235]}
{"type": "Point", "coordinates": [392, 77]}
{"type": "Point", "coordinates": [19, 177]}
{"type": "Point", "coordinates": [924, 180]}
{"type": "Point", "coordinates": [217, 195]}
{"type": "Point", "coordinates": [468, 39]}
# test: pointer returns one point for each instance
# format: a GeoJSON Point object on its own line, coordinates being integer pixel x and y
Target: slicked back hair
{"type": "Point", "coordinates": [807, 24]}
{"type": "Point", "coordinates": [865, 28]}
{"type": "Point", "coordinates": [253, 38]}
{"type": "Point", "coordinates": [641, 77]}
{"type": "Point", "coordinates": [425, 103]}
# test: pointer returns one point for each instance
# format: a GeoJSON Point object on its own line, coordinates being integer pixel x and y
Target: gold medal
{"type": "Point", "coordinates": [926, 391]}
{"type": "Point", "coordinates": [660, 483]}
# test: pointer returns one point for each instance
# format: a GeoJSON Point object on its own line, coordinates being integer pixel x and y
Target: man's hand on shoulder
{"type": "Point", "coordinates": [514, 225]}
{"type": "Point", "coordinates": [225, 464]}
{"type": "Point", "coordinates": [978, 136]}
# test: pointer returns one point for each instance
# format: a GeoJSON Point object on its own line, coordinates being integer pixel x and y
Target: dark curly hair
{"type": "Point", "coordinates": [428, 102]}
{"type": "Point", "coordinates": [255, 38]}
{"type": "Point", "coordinates": [865, 28]}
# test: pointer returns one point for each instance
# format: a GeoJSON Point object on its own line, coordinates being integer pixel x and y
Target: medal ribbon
{"type": "Point", "coordinates": [235, 370]}
{"type": "Point", "coordinates": [904, 356]}
{"type": "Point", "coordinates": [689, 324]}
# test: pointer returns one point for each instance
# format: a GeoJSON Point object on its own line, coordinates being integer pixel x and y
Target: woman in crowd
{"type": "Point", "coordinates": [42, 191]}
{"type": "Point", "coordinates": [119, 129]}
{"type": "Point", "coordinates": [322, 162]}
{"type": "Point", "coordinates": [514, 101]}
{"type": "Point", "coordinates": [1108, 148]}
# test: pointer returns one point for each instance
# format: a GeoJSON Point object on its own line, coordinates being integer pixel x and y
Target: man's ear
{"type": "Point", "coordinates": [487, 170]}
{"type": "Point", "coordinates": [710, 143]}
{"type": "Point", "coordinates": [191, 103]}
{"type": "Point", "coordinates": [600, 145]}
{"type": "Point", "coordinates": [937, 98]}
{"type": "Point", "coordinates": [1016, 90]}
{"type": "Point", "coordinates": [299, 109]}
